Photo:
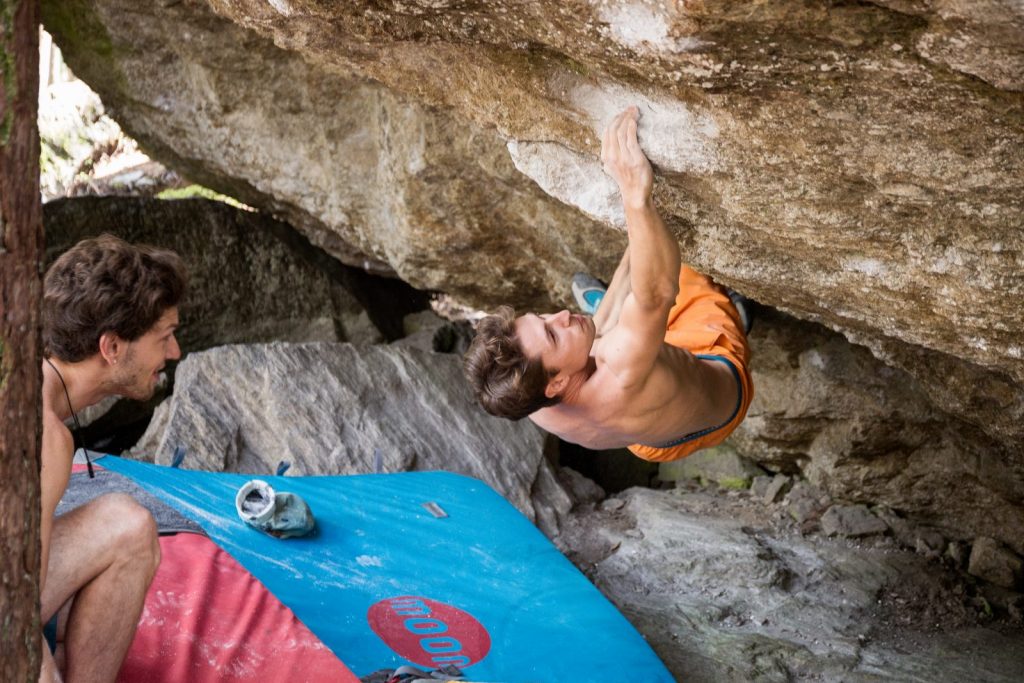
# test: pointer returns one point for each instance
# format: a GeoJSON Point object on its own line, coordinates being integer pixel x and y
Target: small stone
{"type": "Point", "coordinates": [929, 542]}
{"type": "Point", "coordinates": [778, 487]}
{"type": "Point", "coordinates": [994, 563]}
{"type": "Point", "coordinates": [851, 520]}
{"type": "Point", "coordinates": [957, 552]}
{"type": "Point", "coordinates": [759, 485]}
{"type": "Point", "coordinates": [902, 530]}
{"type": "Point", "coordinates": [581, 488]}
{"type": "Point", "coordinates": [612, 504]}
{"type": "Point", "coordinates": [802, 502]}
{"type": "Point", "coordinates": [803, 510]}
{"type": "Point", "coordinates": [1015, 608]}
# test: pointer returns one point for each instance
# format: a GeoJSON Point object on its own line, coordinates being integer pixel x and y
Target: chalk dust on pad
{"type": "Point", "coordinates": [82, 489]}
{"type": "Point", "coordinates": [208, 620]}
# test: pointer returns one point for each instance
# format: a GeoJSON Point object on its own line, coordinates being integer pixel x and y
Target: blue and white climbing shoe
{"type": "Point", "coordinates": [588, 292]}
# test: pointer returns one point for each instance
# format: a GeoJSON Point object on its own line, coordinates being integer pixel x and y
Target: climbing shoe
{"type": "Point", "coordinates": [588, 292]}
{"type": "Point", "coordinates": [745, 307]}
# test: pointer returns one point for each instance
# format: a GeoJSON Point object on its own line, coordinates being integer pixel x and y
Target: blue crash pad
{"type": "Point", "coordinates": [384, 581]}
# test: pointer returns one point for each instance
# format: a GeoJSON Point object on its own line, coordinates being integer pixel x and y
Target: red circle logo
{"type": "Point", "coordinates": [429, 633]}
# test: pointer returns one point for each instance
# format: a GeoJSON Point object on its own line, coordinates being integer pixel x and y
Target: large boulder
{"type": "Point", "coordinates": [250, 279]}
{"type": "Point", "coordinates": [857, 164]}
{"type": "Point", "coordinates": [342, 409]}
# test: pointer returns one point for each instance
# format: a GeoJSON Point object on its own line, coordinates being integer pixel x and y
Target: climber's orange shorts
{"type": "Point", "coordinates": [704, 322]}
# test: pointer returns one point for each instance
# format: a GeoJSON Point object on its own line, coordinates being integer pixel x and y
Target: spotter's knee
{"type": "Point", "coordinates": [130, 525]}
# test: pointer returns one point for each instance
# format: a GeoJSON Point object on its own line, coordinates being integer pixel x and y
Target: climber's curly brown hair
{"type": "Point", "coordinates": [505, 381]}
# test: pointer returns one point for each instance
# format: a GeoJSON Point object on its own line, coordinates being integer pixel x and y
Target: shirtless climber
{"type": "Point", "coordinates": [662, 365]}
{"type": "Point", "coordinates": [109, 315]}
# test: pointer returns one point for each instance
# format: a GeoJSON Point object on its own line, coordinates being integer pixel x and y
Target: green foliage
{"type": "Point", "coordinates": [735, 483]}
{"type": "Point", "coordinates": [193, 191]}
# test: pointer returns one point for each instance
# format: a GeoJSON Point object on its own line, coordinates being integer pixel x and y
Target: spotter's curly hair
{"type": "Point", "coordinates": [105, 284]}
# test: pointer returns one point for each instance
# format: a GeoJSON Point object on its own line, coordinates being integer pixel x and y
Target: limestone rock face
{"type": "Point", "coordinates": [341, 409]}
{"type": "Point", "coordinates": [860, 164]}
{"type": "Point", "coordinates": [865, 432]}
{"type": "Point", "coordinates": [857, 164]}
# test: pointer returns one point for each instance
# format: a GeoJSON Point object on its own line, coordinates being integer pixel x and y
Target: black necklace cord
{"type": "Point", "coordinates": [78, 425]}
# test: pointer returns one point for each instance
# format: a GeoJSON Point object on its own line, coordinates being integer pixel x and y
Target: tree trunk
{"type": "Point", "coordinates": [21, 251]}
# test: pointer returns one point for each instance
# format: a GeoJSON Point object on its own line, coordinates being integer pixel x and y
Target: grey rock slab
{"type": "Point", "coordinates": [851, 520]}
{"type": "Point", "coordinates": [336, 408]}
{"type": "Point", "coordinates": [759, 485]}
{"type": "Point", "coordinates": [719, 600]}
{"type": "Point", "coordinates": [777, 488]}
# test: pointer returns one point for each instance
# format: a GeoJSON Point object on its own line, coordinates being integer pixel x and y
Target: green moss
{"type": "Point", "coordinates": [85, 43]}
{"type": "Point", "coordinates": [734, 483]}
{"type": "Point", "coordinates": [10, 75]}
{"type": "Point", "coordinates": [193, 191]}
{"type": "Point", "coordinates": [76, 27]}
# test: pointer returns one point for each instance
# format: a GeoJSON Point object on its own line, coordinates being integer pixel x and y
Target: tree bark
{"type": "Point", "coordinates": [21, 251]}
